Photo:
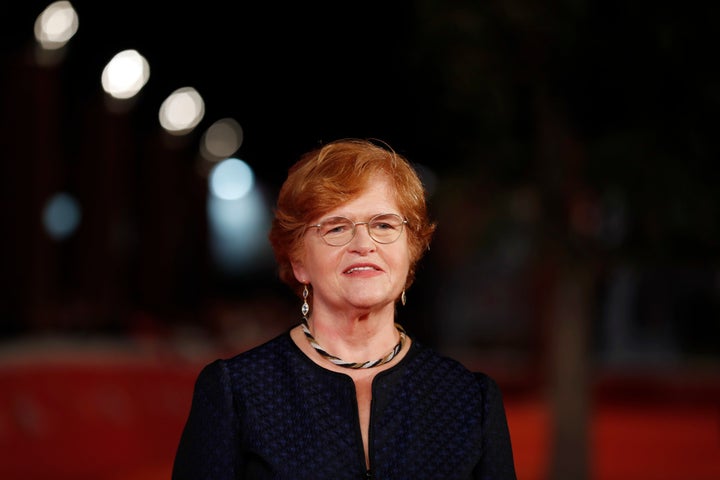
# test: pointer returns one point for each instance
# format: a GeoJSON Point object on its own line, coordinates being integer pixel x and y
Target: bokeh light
{"type": "Point", "coordinates": [125, 75]}
{"type": "Point", "coordinates": [61, 216]}
{"type": "Point", "coordinates": [231, 179]}
{"type": "Point", "coordinates": [221, 140]}
{"type": "Point", "coordinates": [56, 25]}
{"type": "Point", "coordinates": [238, 232]}
{"type": "Point", "coordinates": [182, 111]}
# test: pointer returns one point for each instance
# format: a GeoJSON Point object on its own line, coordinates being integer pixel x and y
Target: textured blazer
{"type": "Point", "coordinates": [272, 413]}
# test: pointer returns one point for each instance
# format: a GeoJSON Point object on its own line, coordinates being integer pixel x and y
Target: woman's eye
{"type": "Point", "coordinates": [335, 228]}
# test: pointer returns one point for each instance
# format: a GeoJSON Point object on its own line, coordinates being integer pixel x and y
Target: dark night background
{"type": "Point", "coordinates": [572, 147]}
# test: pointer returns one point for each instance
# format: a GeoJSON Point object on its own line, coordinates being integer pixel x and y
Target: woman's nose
{"type": "Point", "coordinates": [362, 241]}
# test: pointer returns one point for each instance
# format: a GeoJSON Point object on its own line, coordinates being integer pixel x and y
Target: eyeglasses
{"type": "Point", "coordinates": [383, 228]}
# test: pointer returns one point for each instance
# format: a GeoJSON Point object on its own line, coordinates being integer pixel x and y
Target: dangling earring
{"type": "Point", "coordinates": [305, 307]}
{"type": "Point", "coordinates": [403, 298]}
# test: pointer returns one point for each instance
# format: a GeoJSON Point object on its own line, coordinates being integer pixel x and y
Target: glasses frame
{"type": "Point", "coordinates": [367, 227]}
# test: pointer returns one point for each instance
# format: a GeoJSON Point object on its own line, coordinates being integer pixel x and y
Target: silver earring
{"type": "Point", "coordinates": [403, 298]}
{"type": "Point", "coordinates": [305, 307]}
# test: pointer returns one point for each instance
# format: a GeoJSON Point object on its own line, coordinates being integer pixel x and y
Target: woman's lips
{"type": "Point", "coordinates": [361, 268]}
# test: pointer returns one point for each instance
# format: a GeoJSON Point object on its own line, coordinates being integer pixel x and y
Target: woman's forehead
{"type": "Point", "coordinates": [377, 197]}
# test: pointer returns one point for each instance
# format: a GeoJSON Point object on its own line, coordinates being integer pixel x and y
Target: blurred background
{"type": "Point", "coordinates": [569, 150]}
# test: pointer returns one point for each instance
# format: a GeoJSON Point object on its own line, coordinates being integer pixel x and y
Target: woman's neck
{"type": "Point", "coordinates": [356, 338]}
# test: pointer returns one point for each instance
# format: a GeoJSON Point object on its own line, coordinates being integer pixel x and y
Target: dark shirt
{"type": "Point", "coordinates": [271, 412]}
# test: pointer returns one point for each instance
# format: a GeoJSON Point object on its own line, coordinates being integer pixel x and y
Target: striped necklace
{"type": "Point", "coordinates": [342, 363]}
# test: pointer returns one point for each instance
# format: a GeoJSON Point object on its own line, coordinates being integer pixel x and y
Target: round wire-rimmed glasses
{"type": "Point", "coordinates": [383, 228]}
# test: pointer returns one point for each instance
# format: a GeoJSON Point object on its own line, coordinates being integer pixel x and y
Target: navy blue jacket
{"type": "Point", "coordinates": [271, 412]}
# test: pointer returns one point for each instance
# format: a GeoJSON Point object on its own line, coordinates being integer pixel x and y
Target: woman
{"type": "Point", "coordinates": [347, 393]}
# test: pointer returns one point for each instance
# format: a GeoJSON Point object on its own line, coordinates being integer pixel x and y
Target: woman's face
{"type": "Point", "coordinates": [362, 274]}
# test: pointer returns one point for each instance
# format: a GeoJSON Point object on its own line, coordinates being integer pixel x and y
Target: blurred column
{"type": "Point", "coordinates": [170, 277]}
{"type": "Point", "coordinates": [568, 379]}
{"type": "Point", "coordinates": [32, 158]}
{"type": "Point", "coordinates": [107, 159]}
{"type": "Point", "coordinates": [567, 323]}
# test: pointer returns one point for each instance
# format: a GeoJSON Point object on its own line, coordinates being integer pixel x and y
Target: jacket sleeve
{"type": "Point", "coordinates": [497, 459]}
{"type": "Point", "coordinates": [209, 444]}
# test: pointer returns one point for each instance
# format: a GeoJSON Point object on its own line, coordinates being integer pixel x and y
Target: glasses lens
{"type": "Point", "coordinates": [337, 230]}
{"type": "Point", "coordinates": [386, 228]}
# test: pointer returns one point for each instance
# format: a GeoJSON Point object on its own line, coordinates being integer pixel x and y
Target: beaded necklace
{"type": "Point", "coordinates": [354, 365]}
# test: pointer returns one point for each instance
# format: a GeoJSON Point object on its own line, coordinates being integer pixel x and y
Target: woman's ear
{"type": "Point", "coordinates": [299, 272]}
